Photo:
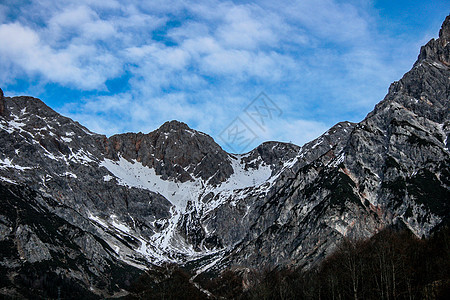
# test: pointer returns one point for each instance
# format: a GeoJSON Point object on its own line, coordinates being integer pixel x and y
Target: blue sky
{"type": "Point", "coordinates": [120, 66]}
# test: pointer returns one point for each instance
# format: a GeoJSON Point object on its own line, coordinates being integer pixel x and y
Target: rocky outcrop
{"type": "Point", "coordinates": [175, 151]}
{"type": "Point", "coordinates": [444, 33]}
{"type": "Point", "coordinates": [29, 246]}
{"type": "Point", "coordinates": [2, 103]}
{"type": "Point", "coordinates": [42, 253]}
{"type": "Point", "coordinates": [438, 50]}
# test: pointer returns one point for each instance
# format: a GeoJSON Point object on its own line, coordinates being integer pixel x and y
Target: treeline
{"type": "Point", "coordinates": [390, 265]}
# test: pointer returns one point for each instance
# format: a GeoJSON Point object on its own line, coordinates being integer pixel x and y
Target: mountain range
{"type": "Point", "coordinates": [89, 213]}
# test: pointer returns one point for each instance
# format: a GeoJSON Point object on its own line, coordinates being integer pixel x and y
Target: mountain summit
{"type": "Point", "coordinates": [438, 50]}
{"type": "Point", "coordinates": [175, 151]}
{"type": "Point", "coordinates": [91, 212]}
{"type": "Point", "coordinates": [444, 33]}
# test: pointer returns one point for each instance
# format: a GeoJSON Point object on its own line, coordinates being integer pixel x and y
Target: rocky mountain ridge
{"type": "Point", "coordinates": [134, 199]}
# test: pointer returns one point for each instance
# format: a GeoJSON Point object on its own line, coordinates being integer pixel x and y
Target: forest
{"type": "Point", "coordinates": [393, 264]}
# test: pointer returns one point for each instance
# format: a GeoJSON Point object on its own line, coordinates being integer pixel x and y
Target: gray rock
{"type": "Point", "coordinates": [175, 151]}
{"type": "Point", "coordinates": [2, 103]}
{"type": "Point", "coordinates": [29, 246]}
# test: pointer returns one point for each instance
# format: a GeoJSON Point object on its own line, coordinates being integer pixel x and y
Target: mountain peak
{"type": "Point", "coordinates": [437, 50]}
{"type": "Point", "coordinates": [173, 125]}
{"type": "Point", "coordinates": [444, 33]}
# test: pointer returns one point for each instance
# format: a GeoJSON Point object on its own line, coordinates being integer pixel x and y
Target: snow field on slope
{"type": "Point", "coordinates": [134, 174]}
{"type": "Point", "coordinates": [168, 242]}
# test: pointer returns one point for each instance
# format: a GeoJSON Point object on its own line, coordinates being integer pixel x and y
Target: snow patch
{"type": "Point", "coordinates": [338, 160]}
{"type": "Point", "coordinates": [70, 174]}
{"type": "Point", "coordinates": [107, 178]}
{"type": "Point", "coordinates": [97, 220]}
{"type": "Point", "coordinates": [119, 226]}
{"type": "Point", "coordinates": [16, 125]}
{"type": "Point", "coordinates": [82, 157]}
{"type": "Point", "coordinates": [50, 155]}
{"type": "Point", "coordinates": [66, 139]}
{"type": "Point", "coordinates": [7, 163]}
{"type": "Point", "coordinates": [317, 143]}
{"type": "Point", "coordinates": [242, 178]}
{"type": "Point", "coordinates": [438, 65]}
{"type": "Point", "coordinates": [444, 134]}
{"type": "Point", "coordinates": [190, 131]}
{"type": "Point", "coordinates": [134, 174]}
{"type": "Point", "coordinates": [7, 180]}
{"type": "Point", "coordinates": [291, 162]}
{"type": "Point", "coordinates": [341, 228]}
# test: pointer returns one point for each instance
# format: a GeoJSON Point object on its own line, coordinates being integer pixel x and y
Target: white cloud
{"type": "Point", "coordinates": [65, 66]}
{"type": "Point", "coordinates": [298, 131]}
{"type": "Point", "coordinates": [242, 31]}
{"type": "Point", "coordinates": [111, 104]}
{"type": "Point", "coordinates": [191, 31]}
{"type": "Point", "coordinates": [166, 57]}
{"type": "Point", "coordinates": [73, 17]}
{"type": "Point", "coordinates": [101, 4]}
{"type": "Point", "coordinates": [328, 19]}
{"type": "Point", "coordinates": [75, 25]}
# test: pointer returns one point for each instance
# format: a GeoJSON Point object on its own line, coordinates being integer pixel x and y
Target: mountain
{"type": "Point", "coordinates": [87, 213]}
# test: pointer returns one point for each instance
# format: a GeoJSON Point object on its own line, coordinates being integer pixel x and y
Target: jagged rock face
{"type": "Point", "coordinates": [438, 50]}
{"type": "Point", "coordinates": [174, 195]}
{"type": "Point", "coordinates": [52, 153]}
{"type": "Point", "coordinates": [2, 103]}
{"type": "Point", "coordinates": [391, 169]}
{"type": "Point", "coordinates": [175, 151]}
{"type": "Point", "coordinates": [58, 158]}
{"type": "Point", "coordinates": [271, 153]}
{"type": "Point", "coordinates": [411, 156]}
{"type": "Point", "coordinates": [36, 244]}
